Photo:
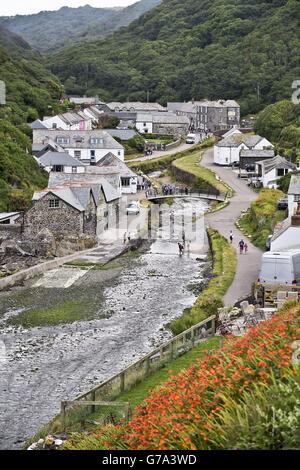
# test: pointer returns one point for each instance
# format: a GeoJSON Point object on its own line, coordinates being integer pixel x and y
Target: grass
{"type": "Point", "coordinates": [211, 298]}
{"type": "Point", "coordinates": [260, 219]}
{"type": "Point", "coordinates": [67, 312]}
{"type": "Point", "coordinates": [162, 163]}
{"type": "Point", "coordinates": [137, 394]}
{"type": "Point", "coordinates": [201, 178]}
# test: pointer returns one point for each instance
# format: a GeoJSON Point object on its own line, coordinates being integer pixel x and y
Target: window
{"type": "Point", "coordinates": [119, 153]}
{"type": "Point", "coordinates": [95, 140]}
{"type": "Point", "coordinates": [54, 203]}
{"type": "Point", "coordinates": [297, 198]}
{"type": "Point", "coordinates": [62, 140]}
{"type": "Point", "coordinates": [77, 153]}
{"type": "Point", "coordinates": [58, 168]}
{"type": "Point", "coordinates": [93, 153]}
{"type": "Point", "coordinates": [54, 125]}
{"type": "Point", "coordinates": [125, 182]}
{"type": "Point", "coordinates": [74, 169]}
{"type": "Point", "coordinates": [145, 124]}
{"type": "Point", "coordinates": [280, 172]}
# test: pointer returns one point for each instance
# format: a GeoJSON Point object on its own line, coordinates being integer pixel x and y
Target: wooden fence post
{"type": "Point", "coordinates": [63, 416]}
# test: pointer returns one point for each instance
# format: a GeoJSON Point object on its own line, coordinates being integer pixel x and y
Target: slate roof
{"type": "Point", "coordinates": [122, 134]}
{"type": "Point", "coordinates": [7, 215]}
{"type": "Point", "coordinates": [276, 162]}
{"type": "Point", "coordinates": [237, 139]}
{"type": "Point", "coordinates": [66, 194]}
{"type": "Point", "coordinates": [191, 107]}
{"type": "Point", "coordinates": [294, 185]}
{"type": "Point", "coordinates": [59, 158]}
{"type": "Point", "coordinates": [255, 153]}
{"type": "Point", "coordinates": [78, 139]}
{"type": "Point", "coordinates": [37, 124]}
{"type": "Point", "coordinates": [110, 161]}
{"type": "Point", "coordinates": [135, 106]}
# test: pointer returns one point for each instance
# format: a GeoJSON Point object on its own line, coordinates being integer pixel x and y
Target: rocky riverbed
{"type": "Point", "coordinates": [122, 312]}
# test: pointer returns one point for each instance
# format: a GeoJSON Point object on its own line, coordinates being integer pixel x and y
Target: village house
{"type": "Point", "coordinates": [132, 107]}
{"type": "Point", "coordinates": [110, 168]}
{"type": "Point", "coordinates": [287, 234]}
{"type": "Point", "coordinates": [227, 151]}
{"type": "Point", "coordinates": [87, 146]}
{"type": "Point", "coordinates": [9, 218]}
{"type": "Point", "coordinates": [208, 116]}
{"type": "Point", "coordinates": [248, 158]}
{"type": "Point", "coordinates": [70, 121]}
{"type": "Point", "coordinates": [72, 209]}
{"type": "Point", "coordinates": [271, 170]}
{"type": "Point", "coordinates": [162, 123]}
{"type": "Point", "coordinates": [61, 162]}
{"type": "Point", "coordinates": [85, 100]}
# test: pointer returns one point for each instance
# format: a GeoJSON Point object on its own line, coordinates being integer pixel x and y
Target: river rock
{"type": "Point", "coordinates": [49, 441]}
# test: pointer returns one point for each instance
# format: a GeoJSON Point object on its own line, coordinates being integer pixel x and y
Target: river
{"type": "Point", "coordinates": [123, 315]}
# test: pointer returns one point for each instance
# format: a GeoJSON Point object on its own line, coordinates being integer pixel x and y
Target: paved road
{"type": "Point", "coordinates": [224, 221]}
{"type": "Point", "coordinates": [163, 153]}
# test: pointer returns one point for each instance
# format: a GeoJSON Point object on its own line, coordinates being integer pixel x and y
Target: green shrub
{"type": "Point", "coordinates": [260, 220]}
{"type": "Point", "coordinates": [267, 418]}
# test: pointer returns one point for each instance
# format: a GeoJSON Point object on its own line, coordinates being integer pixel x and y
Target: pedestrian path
{"type": "Point", "coordinates": [224, 221]}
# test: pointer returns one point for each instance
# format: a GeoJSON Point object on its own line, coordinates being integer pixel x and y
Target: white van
{"type": "Point", "coordinates": [280, 268]}
{"type": "Point", "coordinates": [191, 139]}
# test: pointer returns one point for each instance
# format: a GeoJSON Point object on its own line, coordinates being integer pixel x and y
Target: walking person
{"type": "Point", "coordinates": [246, 248]}
{"type": "Point", "coordinates": [125, 238]}
{"type": "Point", "coordinates": [231, 237]}
{"type": "Point", "coordinates": [241, 245]}
{"type": "Point", "coordinates": [181, 248]}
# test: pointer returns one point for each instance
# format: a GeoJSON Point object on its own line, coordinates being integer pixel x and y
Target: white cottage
{"type": "Point", "coordinates": [271, 170]}
{"type": "Point", "coordinates": [87, 146]}
{"type": "Point", "coordinates": [227, 151]}
{"type": "Point", "coordinates": [61, 162]}
{"type": "Point", "coordinates": [70, 121]}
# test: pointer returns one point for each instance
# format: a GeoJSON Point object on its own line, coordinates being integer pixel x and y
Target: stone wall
{"type": "Point", "coordinates": [171, 129]}
{"type": "Point", "coordinates": [90, 218]}
{"type": "Point", "coordinates": [64, 220]}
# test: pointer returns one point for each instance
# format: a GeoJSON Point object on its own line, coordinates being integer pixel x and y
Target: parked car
{"type": "Point", "coordinates": [280, 268]}
{"type": "Point", "coordinates": [133, 208]}
{"type": "Point", "coordinates": [191, 139]}
{"type": "Point", "coordinates": [283, 204]}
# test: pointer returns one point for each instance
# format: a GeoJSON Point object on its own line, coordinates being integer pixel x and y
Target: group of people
{"type": "Point", "coordinates": [169, 189]}
{"type": "Point", "coordinates": [242, 245]}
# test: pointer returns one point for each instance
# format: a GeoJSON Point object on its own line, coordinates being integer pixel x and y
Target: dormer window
{"type": "Point", "coordinates": [63, 140]}
{"type": "Point", "coordinates": [96, 140]}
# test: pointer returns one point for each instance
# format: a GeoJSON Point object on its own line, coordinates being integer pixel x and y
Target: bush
{"type": "Point", "coordinates": [260, 220]}
{"type": "Point", "coordinates": [266, 418]}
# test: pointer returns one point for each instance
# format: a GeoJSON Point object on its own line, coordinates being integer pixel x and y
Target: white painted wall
{"type": "Point", "coordinates": [293, 206]}
{"type": "Point", "coordinates": [99, 153]}
{"type": "Point", "coordinates": [83, 125]}
{"type": "Point", "coordinates": [227, 155]}
{"type": "Point", "coordinates": [141, 128]}
{"type": "Point", "coordinates": [264, 144]}
{"type": "Point", "coordinates": [270, 179]}
{"type": "Point", "coordinates": [288, 240]}
{"type": "Point", "coordinates": [68, 169]}
{"type": "Point", "coordinates": [132, 189]}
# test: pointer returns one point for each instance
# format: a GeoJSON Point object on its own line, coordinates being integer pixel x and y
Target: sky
{"type": "Point", "coordinates": [26, 7]}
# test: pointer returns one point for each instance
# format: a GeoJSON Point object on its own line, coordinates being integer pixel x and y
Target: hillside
{"type": "Point", "coordinates": [179, 50]}
{"type": "Point", "coordinates": [31, 89]}
{"type": "Point", "coordinates": [50, 30]}
{"type": "Point", "coordinates": [280, 123]}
